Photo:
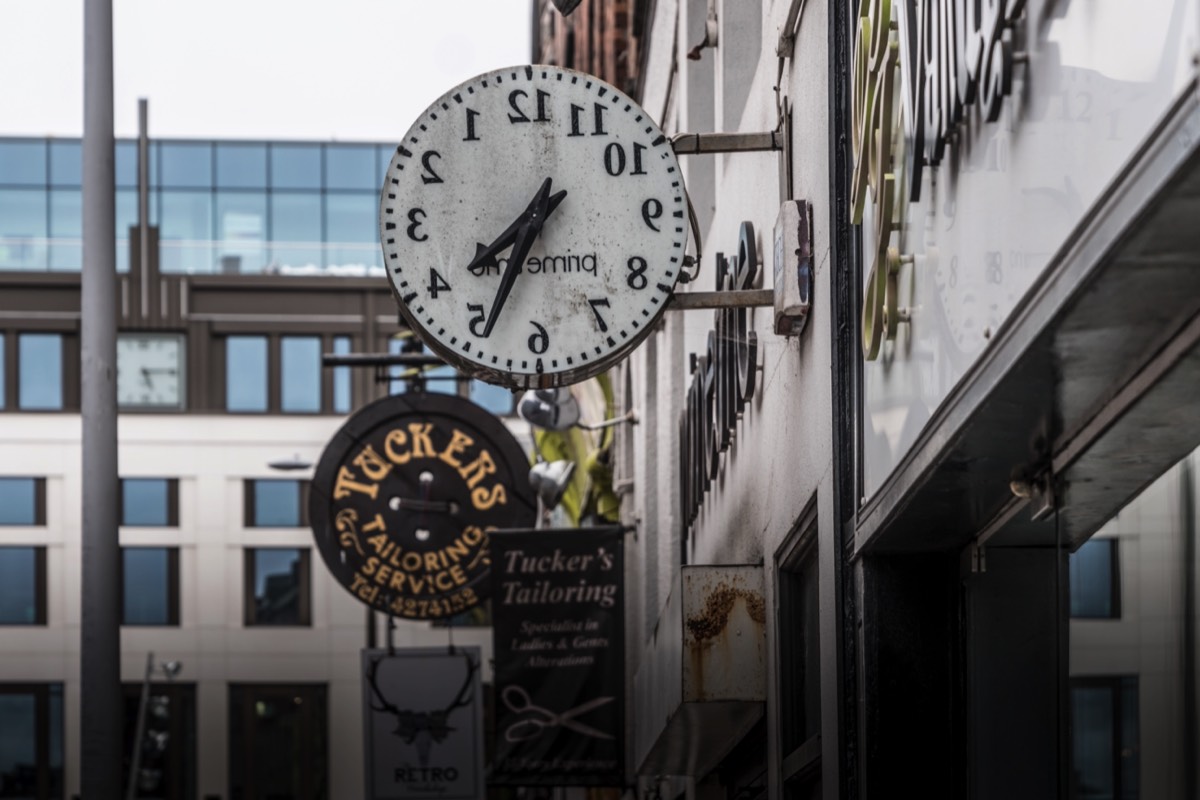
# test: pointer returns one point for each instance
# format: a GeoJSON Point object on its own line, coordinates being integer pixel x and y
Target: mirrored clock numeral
{"type": "Point", "coordinates": [416, 223]}
{"type": "Point", "coordinates": [539, 341]}
{"type": "Point", "coordinates": [636, 279]}
{"type": "Point", "coordinates": [651, 210]}
{"type": "Point", "coordinates": [614, 159]}
{"type": "Point", "coordinates": [471, 115]}
{"type": "Point", "coordinates": [428, 157]}
{"type": "Point", "coordinates": [520, 116]}
{"type": "Point", "coordinates": [595, 304]}
{"type": "Point", "coordinates": [477, 321]}
{"type": "Point", "coordinates": [598, 112]}
{"type": "Point", "coordinates": [436, 283]}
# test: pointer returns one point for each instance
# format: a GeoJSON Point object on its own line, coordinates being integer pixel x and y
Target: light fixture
{"type": "Point", "coordinates": [290, 464]}
{"type": "Point", "coordinates": [565, 7]}
{"type": "Point", "coordinates": [550, 479]}
{"type": "Point", "coordinates": [558, 410]}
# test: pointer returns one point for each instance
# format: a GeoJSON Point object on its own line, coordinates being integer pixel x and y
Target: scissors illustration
{"type": "Point", "coordinates": [519, 702]}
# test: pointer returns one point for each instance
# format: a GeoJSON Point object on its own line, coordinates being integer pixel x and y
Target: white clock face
{"type": "Point", "coordinates": [150, 371]}
{"type": "Point", "coordinates": [533, 224]}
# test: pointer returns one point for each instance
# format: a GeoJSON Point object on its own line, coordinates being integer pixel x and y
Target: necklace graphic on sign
{"type": "Point", "coordinates": [519, 702]}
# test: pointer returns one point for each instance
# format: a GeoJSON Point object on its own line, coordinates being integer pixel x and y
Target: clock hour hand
{"type": "Point", "coordinates": [485, 255]}
{"type": "Point", "coordinates": [543, 204]}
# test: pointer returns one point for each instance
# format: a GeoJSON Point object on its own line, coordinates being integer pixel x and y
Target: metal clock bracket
{"type": "Point", "coordinates": [696, 144]}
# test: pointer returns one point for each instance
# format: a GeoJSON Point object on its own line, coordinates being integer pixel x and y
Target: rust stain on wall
{"type": "Point", "coordinates": [711, 621]}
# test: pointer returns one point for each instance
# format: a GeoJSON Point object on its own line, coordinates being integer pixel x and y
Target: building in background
{"type": "Point", "coordinates": [267, 257]}
{"type": "Point", "coordinates": [947, 540]}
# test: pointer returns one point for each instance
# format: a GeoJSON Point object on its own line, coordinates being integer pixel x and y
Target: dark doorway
{"type": "Point", "coordinates": [278, 742]}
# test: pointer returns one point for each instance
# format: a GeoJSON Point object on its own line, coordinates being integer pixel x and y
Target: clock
{"type": "Point", "coordinates": [151, 371]}
{"type": "Point", "coordinates": [533, 223]}
{"type": "Point", "coordinates": [405, 497]}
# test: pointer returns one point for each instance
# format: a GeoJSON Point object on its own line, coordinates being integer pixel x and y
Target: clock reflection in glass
{"type": "Point", "coordinates": [151, 371]}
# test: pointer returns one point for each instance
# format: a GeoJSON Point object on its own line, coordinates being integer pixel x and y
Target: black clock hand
{"type": "Point", "coordinates": [485, 255]}
{"type": "Point", "coordinates": [543, 205]}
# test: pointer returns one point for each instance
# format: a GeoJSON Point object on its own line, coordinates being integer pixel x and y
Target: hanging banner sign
{"type": "Point", "coordinates": [559, 641]}
{"type": "Point", "coordinates": [405, 496]}
{"type": "Point", "coordinates": [423, 724]}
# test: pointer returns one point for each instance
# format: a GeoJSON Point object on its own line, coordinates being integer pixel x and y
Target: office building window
{"type": "Point", "coordinates": [246, 373]}
{"type": "Point", "coordinates": [150, 502]}
{"type": "Point", "coordinates": [278, 586]}
{"type": "Point", "coordinates": [3, 388]}
{"type": "Point", "coordinates": [295, 166]}
{"type": "Point", "coordinates": [23, 162]}
{"type": "Point", "coordinates": [241, 245]}
{"type": "Point", "coordinates": [22, 501]}
{"type": "Point", "coordinates": [1095, 580]}
{"type": "Point", "coordinates": [149, 586]}
{"type": "Point", "coordinates": [352, 232]}
{"type": "Point", "coordinates": [186, 164]}
{"type": "Point", "coordinates": [278, 741]}
{"type": "Point", "coordinates": [799, 683]}
{"type": "Point", "coordinates": [185, 231]}
{"type": "Point", "coordinates": [1105, 741]}
{"type": "Point", "coordinates": [241, 165]}
{"type": "Point", "coordinates": [31, 741]}
{"type": "Point", "coordinates": [66, 162]}
{"type": "Point", "coordinates": [40, 371]}
{"type": "Point", "coordinates": [22, 586]}
{"type": "Point", "coordinates": [296, 232]}
{"type": "Point", "coordinates": [351, 166]}
{"type": "Point", "coordinates": [275, 503]}
{"type": "Point", "coordinates": [300, 373]}
{"type": "Point", "coordinates": [341, 377]}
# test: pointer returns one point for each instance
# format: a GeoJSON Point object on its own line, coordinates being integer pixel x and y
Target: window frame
{"type": "Point", "coordinates": [1115, 686]}
{"type": "Point", "coordinates": [39, 587]}
{"type": "Point", "coordinates": [1114, 581]}
{"type": "Point", "coordinates": [42, 723]}
{"type": "Point", "coordinates": [172, 502]}
{"type": "Point", "coordinates": [172, 587]}
{"type": "Point", "coordinates": [39, 502]}
{"type": "Point", "coordinates": [250, 596]}
{"type": "Point", "coordinates": [249, 502]}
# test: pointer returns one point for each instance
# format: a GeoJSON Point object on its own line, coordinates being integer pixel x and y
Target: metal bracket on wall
{"type": "Point", "coordinates": [743, 298]}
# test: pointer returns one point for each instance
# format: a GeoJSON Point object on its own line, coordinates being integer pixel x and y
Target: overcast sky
{"type": "Point", "coordinates": [266, 69]}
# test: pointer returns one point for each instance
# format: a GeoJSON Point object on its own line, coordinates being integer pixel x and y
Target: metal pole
{"type": "Point", "coordinates": [100, 639]}
{"type": "Point", "coordinates": [135, 762]}
{"type": "Point", "coordinates": [143, 203]}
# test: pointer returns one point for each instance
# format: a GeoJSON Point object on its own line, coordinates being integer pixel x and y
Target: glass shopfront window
{"type": "Point", "coordinates": [31, 741]}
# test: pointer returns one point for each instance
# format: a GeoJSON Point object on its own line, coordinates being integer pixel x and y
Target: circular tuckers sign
{"type": "Point", "coordinates": [405, 495]}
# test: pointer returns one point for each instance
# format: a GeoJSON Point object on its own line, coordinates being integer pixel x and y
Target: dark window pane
{"type": "Point", "coordinates": [1092, 579]}
{"type": "Point", "coordinates": [18, 588]}
{"type": "Point", "coordinates": [341, 376]}
{"type": "Point", "coordinates": [276, 504]}
{"type": "Point", "coordinates": [296, 232]}
{"type": "Point", "coordinates": [277, 586]}
{"type": "Point", "coordinates": [352, 232]}
{"type": "Point", "coordinates": [351, 166]}
{"type": "Point", "coordinates": [296, 166]}
{"type": "Point", "coordinates": [241, 231]}
{"type": "Point", "coordinates": [495, 399]}
{"type": "Point", "coordinates": [1092, 729]}
{"type": "Point", "coordinates": [55, 739]}
{"type": "Point", "coordinates": [242, 166]}
{"type": "Point", "coordinates": [1129, 755]}
{"type": "Point", "coordinates": [23, 230]}
{"type": "Point", "coordinates": [147, 586]}
{"type": "Point", "coordinates": [186, 164]}
{"type": "Point", "coordinates": [144, 501]}
{"type": "Point", "coordinates": [66, 229]}
{"type": "Point", "coordinates": [18, 501]}
{"type": "Point", "coordinates": [39, 371]}
{"type": "Point", "coordinates": [246, 373]}
{"type": "Point", "coordinates": [66, 163]}
{"type": "Point", "coordinates": [18, 745]}
{"type": "Point", "coordinates": [300, 373]}
{"type": "Point", "coordinates": [186, 231]}
{"type": "Point", "coordinates": [23, 162]}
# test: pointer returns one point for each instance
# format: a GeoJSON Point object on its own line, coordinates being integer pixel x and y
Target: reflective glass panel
{"type": "Point", "coordinates": [300, 373]}
{"type": "Point", "coordinates": [246, 373]}
{"type": "Point", "coordinates": [296, 232]}
{"type": "Point", "coordinates": [495, 399]}
{"type": "Point", "coordinates": [18, 587]}
{"type": "Point", "coordinates": [352, 232]}
{"type": "Point", "coordinates": [66, 163]}
{"type": "Point", "coordinates": [1092, 741]}
{"type": "Point", "coordinates": [185, 164]}
{"type": "Point", "coordinates": [241, 166]}
{"type": "Point", "coordinates": [351, 166]}
{"type": "Point", "coordinates": [277, 586]}
{"type": "Point", "coordinates": [241, 232]}
{"type": "Point", "coordinates": [18, 745]}
{"type": "Point", "coordinates": [2, 373]}
{"type": "Point", "coordinates": [23, 162]}
{"type": "Point", "coordinates": [1092, 580]}
{"type": "Point", "coordinates": [39, 372]}
{"type": "Point", "coordinates": [296, 166]}
{"type": "Point", "coordinates": [145, 501]}
{"type": "Point", "coordinates": [66, 229]}
{"type": "Point", "coordinates": [276, 504]}
{"type": "Point", "coordinates": [341, 376]}
{"type": "Point", "coordinates": [18, 501]}
{"type": "Point", "coordinates": [23, 229]}
{"type": "Point", "coordinates": [127, 216]}
{"type": "Point", "coordinates": [126, 163]}
{"type": "Point", "coordinates": [186, 232]}
{"type": "Point", "coordinates": [146, 586]}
